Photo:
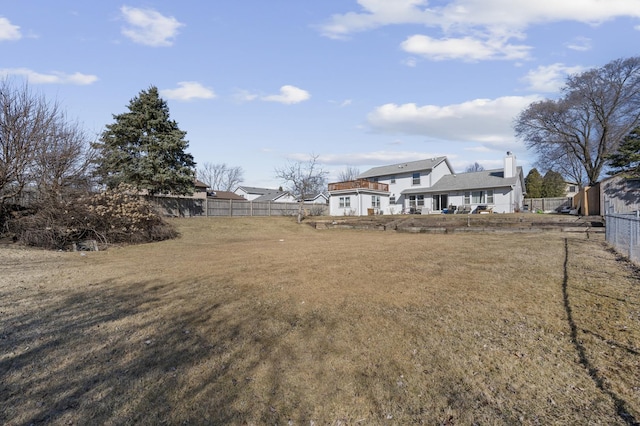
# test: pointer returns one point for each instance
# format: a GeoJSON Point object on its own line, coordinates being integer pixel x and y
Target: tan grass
{"type": "Point", "coordinates": [263, 321]}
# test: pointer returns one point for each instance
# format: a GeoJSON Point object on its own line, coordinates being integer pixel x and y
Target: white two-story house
{"type": "Point", "coordinates": [429, 186]}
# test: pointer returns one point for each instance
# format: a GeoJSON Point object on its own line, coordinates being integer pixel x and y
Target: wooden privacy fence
{"type": "Point", "coordinates": [547, 204]}
{"type": "Point", "coordinates": [262, 208]}
{"type": "Point", "coordinates": [623, 233]}
{"type": "Point", "coordinates": [194, 207]}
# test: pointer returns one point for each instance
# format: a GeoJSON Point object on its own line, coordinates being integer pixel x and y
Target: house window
{"type": "Point", "coordinates": [393, 179]}
{"type": "Point", "coordinates": [440, 201]}
{"type": "Point", "coordinates": [416, 178]}
{"type": "Point", "coordinates": [345, 202]}
{"type": "Point", "coordinates": [392, 199]}
{"type": "Point", "coordinates": [572, 188]}
{"type": "Point", "coordinates": [479, 197]}
{"type": "Point", "coordinates": [375, 201]}
{"type": "Point", "coordinates": [416, 200]}
{"type": "Point", "coordinates": [490, 196]}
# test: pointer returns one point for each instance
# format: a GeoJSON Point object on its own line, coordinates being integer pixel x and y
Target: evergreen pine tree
{"type": "Point", "coordinates": [627, 158]}
{"type": "Point", "coordinates": [146, 149]}
{"type": "Point", "coordinates": [553, 185]}
{"type": "Point", "coordinates": [533, 184]}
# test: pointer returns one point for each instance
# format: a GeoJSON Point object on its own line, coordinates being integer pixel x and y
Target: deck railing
{"type": "Point", "coordinates": [359, 183]}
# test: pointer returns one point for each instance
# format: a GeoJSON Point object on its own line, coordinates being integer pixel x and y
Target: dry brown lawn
{"type": "Point", "coordinates": [263, 321]}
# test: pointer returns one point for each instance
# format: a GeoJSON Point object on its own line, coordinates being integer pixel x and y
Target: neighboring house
{"type": "Point", "coordinates": [429, 186]}
{"type": "Point", "coordinates": [618, 194]}
{"type": "Point", "coordinates": [321, 198]}
{"type": "Point", "coordinates": [201, 190]}
{"type": "Point", "coordinates": [571, 189]}
{"type": "Point", "coordinates": [225, 195]}
{"type": "Point", "coordinates": [264, 194]}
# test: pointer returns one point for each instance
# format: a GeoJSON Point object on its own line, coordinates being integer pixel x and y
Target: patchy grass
{"type": "Point", "coordinates": [261, 320]}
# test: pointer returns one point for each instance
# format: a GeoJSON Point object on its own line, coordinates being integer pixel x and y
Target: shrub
{"type": "Point", "coordinates": [113, 216]}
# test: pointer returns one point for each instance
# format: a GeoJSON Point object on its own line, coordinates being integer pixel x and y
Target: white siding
{"type": "Point", "coordinates": [359, 203]}
{"type": "Point", "coordinates": [504, 199]}
{"type": "Point", "coordinates": [241, 192]}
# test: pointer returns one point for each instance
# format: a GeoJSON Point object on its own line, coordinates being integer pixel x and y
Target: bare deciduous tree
{"type": "Point", "coordinates": [220, 176]}
{"type": "Point", "coordinates": [597, 110]}
{"type": "Point", "coordinates": [350, 173]}
{"type": "Point", "coordinates": [38, 146]}
{"type": "Point", "coordinates": [475, 167]}
{"type": "Point", "coordinates": [62, 165]}
{"type": "Point", "coordinates": [24, 119]}
{"type": "Point", "coordinates": [303, 179]}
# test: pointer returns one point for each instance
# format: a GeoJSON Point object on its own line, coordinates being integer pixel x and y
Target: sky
{"type": "Point", "coordinates": [356, 83]}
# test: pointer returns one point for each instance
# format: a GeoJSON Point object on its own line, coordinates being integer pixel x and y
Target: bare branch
{"type": "Point", "coordinates": [303, 179]}
{"type": "Point", "coordinates": [576, 133]}
{"type": "Point", "coordinates": [38, 145]}
{"type": "Point", "coordinates": [220, 176]}
{"type": "Point", "coordinates": [350, 173]}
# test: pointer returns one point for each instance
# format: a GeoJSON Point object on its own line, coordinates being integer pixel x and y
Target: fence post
{"type": "Point", "coordinates": [633, 234]}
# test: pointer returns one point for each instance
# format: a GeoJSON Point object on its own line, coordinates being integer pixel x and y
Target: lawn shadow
{"type": "Point", "coordinates": [102, 354]}
{"type": "Point", "coordinates": [620, 404]}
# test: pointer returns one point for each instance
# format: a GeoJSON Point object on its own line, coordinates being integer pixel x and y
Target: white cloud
{"type": "Point", "coordinates": [244, 96]}
{"type": "Point", "coordinates": [376, 13]}
{"type": "Point", "coordinates": [486, 25]}
{"type": "Point", "coordinates": [149, 27]}
{"type": "Point", "coordinates": [466, 48]}
{"type": "Point", "coordinates": [410, 62]}
{"type": "Point", "coordinates": [581, 44]}
{"type": "Point", "coordinates": [342, 104]}
{"type": "Point", "coordinates": [479, 148]}
{"type": "Point", "coordinates": [189, 90]}
{"type": "Point", "coordinates": [288, 95]}
{"type": "Point", "coordinates": [485, 121]}
{"type": "Point", "coordinates": [456, 14]}
{"type": "Point", "coordinates": [368, 158]}
{"type": "Point", "coordinates": [8, 31]}
{"type": "Point", "coordinates": [52, 78]}
{"type": "Point", "coordinates": [550, 78]}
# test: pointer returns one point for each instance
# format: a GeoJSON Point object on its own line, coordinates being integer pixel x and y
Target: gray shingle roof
{"type": "Point", "coordinates": [468, 181]}
{"type": "Point", "coordinates": [271, 196]}
{"type": "Point", "coordinates": [256, 190]}
{"type": "Point", "coordinates": [226, 195]}
{"type": "Point", "coordinates": [406, 167]}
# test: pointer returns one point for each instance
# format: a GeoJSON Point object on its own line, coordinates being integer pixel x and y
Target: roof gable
{"type": "Point", "coordinates": [256, 190]}
{"type": "Point", "coordinates": [272, 195]}
{"type": "Point", "coordinates": [406, 167]}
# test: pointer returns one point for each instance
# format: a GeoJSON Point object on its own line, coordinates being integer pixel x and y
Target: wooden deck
{"type": "Point", "coordinates": [359, 183]}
